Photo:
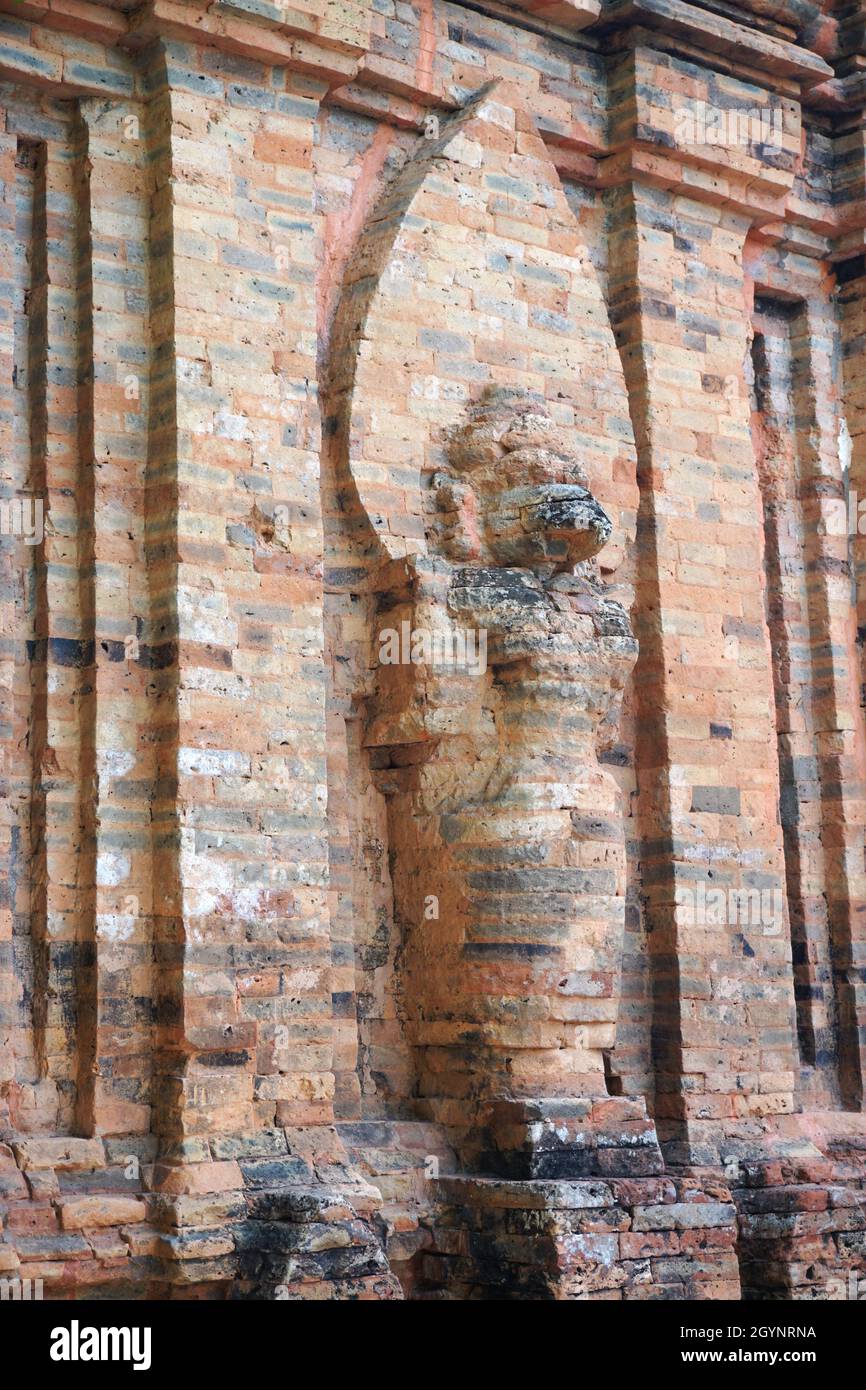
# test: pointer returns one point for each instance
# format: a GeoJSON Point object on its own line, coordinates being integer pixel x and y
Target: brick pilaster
{"type": "Point", "coordinates": [707, 766]}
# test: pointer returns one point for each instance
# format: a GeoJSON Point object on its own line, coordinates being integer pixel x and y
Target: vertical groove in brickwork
{"type": "Point", "coordinates": [851, 303]}
{"type": "Point", "coordinates": [61, 644]}
{"type": "Point", "coordinates": [13, 829]}
{"type": "Point", "coordinates": [46, 634]}
{"type": "Point", "coordinates": [656, 870]}
{"type": "Point", "coordinates": [773, 449]}
{"type": "Point", "coordinates": [117, 746]}
{"type": "Point", "coordinates": [70, 744]}
{"type": "Point", "coordinates": [86, 975]}
{"type": "Point", "coordinates": [840, 733]}
{"type": "Point", "coordinates": [45, 972]}
{"type": "Point", "coordinates": [22, 573]}
{"type": "Point", "coordinates": [838, 739]}
{"type": "Point", "coordinates": [821, 745]}
{"type": "Point", "coordinates": [161, 635]}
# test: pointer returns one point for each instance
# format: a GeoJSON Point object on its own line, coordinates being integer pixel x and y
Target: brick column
{"type": "Point", "coordinates": [706, 750]}
{"type": "Point", "coordinates": [235, 540]}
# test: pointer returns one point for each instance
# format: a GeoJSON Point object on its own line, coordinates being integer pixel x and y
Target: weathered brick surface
{"type": "Point", "coordinates": [547, 1240]}
{"type": "Point", "coordinates": [322, 977]}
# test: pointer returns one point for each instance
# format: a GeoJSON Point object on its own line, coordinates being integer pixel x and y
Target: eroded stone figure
{"type": "Point", "coordinates": [506, 831]}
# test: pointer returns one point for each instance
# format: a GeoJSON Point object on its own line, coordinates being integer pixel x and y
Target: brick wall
{"type": "Point", "coordinates": [259, 267]}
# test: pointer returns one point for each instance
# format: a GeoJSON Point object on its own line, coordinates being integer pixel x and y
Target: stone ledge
{"type": "Point", "coordinates": [709, 31]}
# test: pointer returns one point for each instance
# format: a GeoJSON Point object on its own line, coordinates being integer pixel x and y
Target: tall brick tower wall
{"type": "Point", "coordinates": [324, 977]}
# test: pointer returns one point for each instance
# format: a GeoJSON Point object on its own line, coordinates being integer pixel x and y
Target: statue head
{"type": "Point", "coordinates": [513, 494]}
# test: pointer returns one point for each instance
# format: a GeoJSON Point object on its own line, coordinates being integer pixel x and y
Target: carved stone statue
{"type": "Point", "coordinates": [491, 707]}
